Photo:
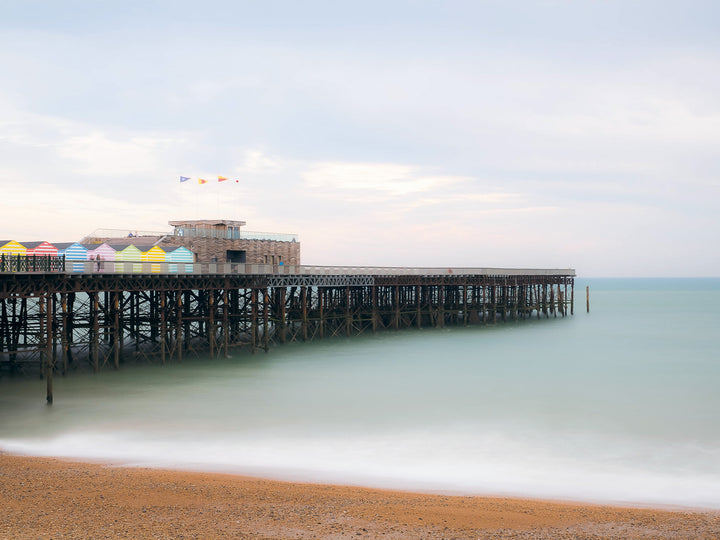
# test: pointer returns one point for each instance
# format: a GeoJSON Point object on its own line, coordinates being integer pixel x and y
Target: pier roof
{"type": "Point", "coordinates": [206, 222]}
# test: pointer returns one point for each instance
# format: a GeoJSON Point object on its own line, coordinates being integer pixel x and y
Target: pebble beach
{"type": "Point", "coordinates": [53, 498]}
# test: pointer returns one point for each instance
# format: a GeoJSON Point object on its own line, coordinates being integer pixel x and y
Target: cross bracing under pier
{"type": "Point", "coordinates": [56, 322]}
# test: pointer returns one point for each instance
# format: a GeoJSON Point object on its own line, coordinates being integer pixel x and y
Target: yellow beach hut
{"type": "Point", "coordinates": [154, 254]}
{"type": "Point", "coordinates": [10, 251]}
{"type": "Point", "coordinates": [11, 247]}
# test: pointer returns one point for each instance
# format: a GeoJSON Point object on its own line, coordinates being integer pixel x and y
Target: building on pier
{"type": "Point", "coordinates": [211, 241]}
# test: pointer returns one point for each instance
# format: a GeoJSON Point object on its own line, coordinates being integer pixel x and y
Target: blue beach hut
{"type": "Point", "coordinates": [73, 251]}
{"type": "Point", "coordinates": [179, 255]}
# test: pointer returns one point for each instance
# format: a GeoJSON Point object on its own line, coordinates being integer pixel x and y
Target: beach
{"type": "Point", "coordinates": [53, 498]}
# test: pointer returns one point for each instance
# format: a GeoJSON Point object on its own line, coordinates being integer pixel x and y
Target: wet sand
{"type": "Point", "coordinates": [51, 498]}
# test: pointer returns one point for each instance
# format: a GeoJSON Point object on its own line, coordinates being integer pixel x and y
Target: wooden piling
{"type": "Point", "coordinates": [587, 298]}
{"type": "Point", "coordinates": [117, 331]}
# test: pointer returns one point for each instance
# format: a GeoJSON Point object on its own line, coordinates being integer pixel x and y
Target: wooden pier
{"type": "Point", "coordinates": [100, 315]}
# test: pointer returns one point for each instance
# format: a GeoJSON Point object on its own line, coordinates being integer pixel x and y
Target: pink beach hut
{"type": "Point", "coordinates": [101, 253]}
{"type": "Point", "coordinates": [104, 251]}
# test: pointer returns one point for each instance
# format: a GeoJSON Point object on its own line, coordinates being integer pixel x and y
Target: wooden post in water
{"type": "Point", "coordinates": [49, 364]}
{"type": "Point", "coordinates": [226, 321]}
{"type": "Point", "coordinates": [163, 327]}
{"type": "Point", "coordinates": [95, 315]}
{"type": "Point", "coordinates": [266, 320]}
{"type": "Point", "coordinates": [418, 301]}
{"type": "Point", "coordinates": [283, 315]}
{"type": "Point", "coordinates": [253, 319]}
{"type": "Point", "coordinates": [117, 333]}
{"type": "Point", "coordinates": [465, 305]}
{"type": "Point", "coordinates": [303, 300]}
{"type": "Point", "coordinates": [348, 313]}
{"type": "Point", "coordinates": [587, 298]}
{"type": "Point", "coordinates": [374, 292]}
{"type": "Point", "coordinates": [179, 328]}
{"type": "Point", "coordinates": [396, 306]}
{"type": "Point", "coordinates": [63, 334]}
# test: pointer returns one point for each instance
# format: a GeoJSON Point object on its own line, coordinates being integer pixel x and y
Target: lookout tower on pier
{"type": "Point", "coordinates": [223, 240]}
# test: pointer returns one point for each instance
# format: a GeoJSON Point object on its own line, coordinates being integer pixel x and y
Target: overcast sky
{"type": "Point", "coordinates": [581, 134]}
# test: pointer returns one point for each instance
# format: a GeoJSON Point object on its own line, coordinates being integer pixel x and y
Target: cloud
{"type": "Point", "coordinates": [374, 179]}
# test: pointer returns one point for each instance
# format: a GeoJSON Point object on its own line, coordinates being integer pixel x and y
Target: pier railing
{"type": "Point", "coordinates": [31, 264]}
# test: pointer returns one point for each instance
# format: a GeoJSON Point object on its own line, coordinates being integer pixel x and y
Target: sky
{"type": "Point", "coordinates": [539, 133]}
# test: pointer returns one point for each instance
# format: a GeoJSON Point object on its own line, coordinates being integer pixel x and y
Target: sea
{"type": "Point", "coordinates": [619, 405]}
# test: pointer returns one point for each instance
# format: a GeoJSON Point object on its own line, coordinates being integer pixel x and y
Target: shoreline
{"type": "Point", "coordinates": [57, 497]}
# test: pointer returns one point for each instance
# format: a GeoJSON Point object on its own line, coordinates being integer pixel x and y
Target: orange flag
{"type": "Point", "coordinates": [201, 181]}
{"type": "Point", "coordinates": [221, 178]}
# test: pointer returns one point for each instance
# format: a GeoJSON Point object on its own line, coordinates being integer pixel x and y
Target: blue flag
{"type": "Point", "coordinates": [184, 178]}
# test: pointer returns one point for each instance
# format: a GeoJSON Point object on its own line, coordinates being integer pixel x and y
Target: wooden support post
{"type": "Point", "coordinates": [253, 319]}
{"type": "Point", "coordinates": [561, 304]}
{"type": "Point", "coordinates": [63, 332]}
{"type": "Point", "coordinates": [211, 330]}
{"type": "Point", "coordinates": [226, 322]}
{"type": "Point", "coordinates": [94, 313]}
{"type": "Point", "coordinates": [396, 307]}
{"type": "Point", "coordinates": [117, 331]}
{"type": "Point", "coordinates": [484, 304]}
{"type": "Point", "coordinates": [322, 295]}
{"type": "Point", "coordinates": [465, 307]}
{"type": "Point", "coordinates": [441, 307]}
{"type": "Point", "coordinates": [163, 326]}
{"type": "Point", "coordinates": [375, 314]}
{"type": "Point", "coordinates": [348, 313]}
{"type": "Point", "coordinates": [283, 315]}
{"type": "Point", "coordinates": [266, 320]}
{"type": "Point", "coordinates": [418, 301]}
{"type": "Point", "coordinates": [303, 301]}
{"type": "Point", "coordinates": [572, 297]}
{"type": "Point", "coordinates": [50, 365]}
{"type": "Point", "coordinates": [587, 298]}
{"type": "Point", "coordinates": [179, 329]}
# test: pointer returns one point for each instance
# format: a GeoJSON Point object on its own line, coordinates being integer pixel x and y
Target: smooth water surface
{"type": "Point", "coordinates": [617, 405]}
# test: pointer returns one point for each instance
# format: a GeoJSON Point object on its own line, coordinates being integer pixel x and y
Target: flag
{"type": "Point", "coordinates": [221, 178]}
{"type": "Point", "coordinates": [184, 178]}
{"type": "Point", "coordinates": [201, 181]}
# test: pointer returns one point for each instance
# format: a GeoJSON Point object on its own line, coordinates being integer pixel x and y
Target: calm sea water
{"type": "Point", "coordinates": [618, 405]}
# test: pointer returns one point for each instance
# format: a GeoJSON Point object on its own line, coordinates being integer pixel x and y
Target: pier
{"type": "Point", "coordinates": [57, 316]}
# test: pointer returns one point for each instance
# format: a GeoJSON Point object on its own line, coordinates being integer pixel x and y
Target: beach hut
{"type": "Point", "coordinates": [40, 249]}
{"type": "Point", "coordinates": [73, 251]}
{"type": "Point", "coordinates": [179, 255]}
{"type": "Point", "coordinates": [100, 253]}
{"type": "Point", "coordinates": [104, 251]}
{"type": "Point", "coordinates": [154, 254]}
{"type": "Point", "coordinates": [11, 247]}
{"type": "Point", "coordinates": [38, 254]}
{"type": "Point", "coordinates": [10, 251]}
{"type": "Point", "coordinates": [125, 254]}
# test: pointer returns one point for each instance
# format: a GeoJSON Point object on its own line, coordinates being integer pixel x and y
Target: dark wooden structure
{"type": "Point", "coordinates": [55, 322]}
